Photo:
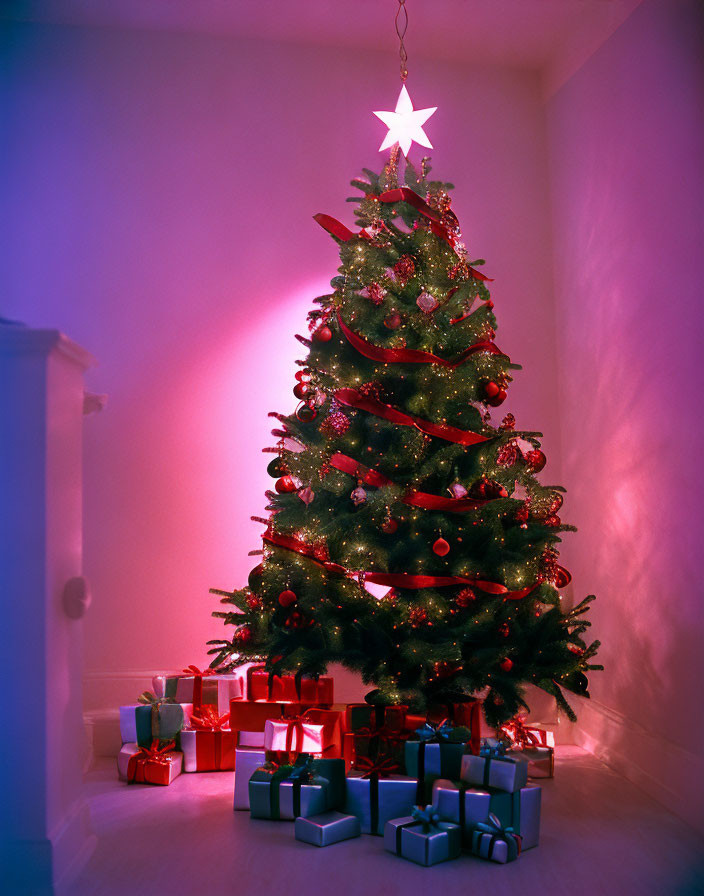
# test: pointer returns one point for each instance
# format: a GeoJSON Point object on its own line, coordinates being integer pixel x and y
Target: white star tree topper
{"type": "Point", "coordinates": [405, 124]}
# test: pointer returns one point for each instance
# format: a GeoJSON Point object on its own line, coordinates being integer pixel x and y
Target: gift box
{"type": "Point", "coordinates": [491, 841]}
{"type": "Point", "coordinates": [308, 788]}
{"type": "Point", "coordinates": [206, 687]}
{"type": "Point", "coordinates": [423, 838]}
{"type": "Point", "coordinates": [368, 717]}
{"type": "Point", "coordinates": [469, 806]}
{"type": "Point", "coordinates": [376, 797]}
{"type": "Point", "coordinates": [520, 735]}
{"type": "Point", "coordinates": [435, 752]}
{"type": "Point", "coordinates": [541, 761]}
{"type": "Point", "coordinates": [247, 761]}
{"type": "Point", "coordinates": [251, 716]}
{"type": "Point", "coordinates": [208, 744]}
{"type": "Point", "coordinates": [263, 686]}
{"type": "Point", "coordinates": [316, 731]}
{"type": "Point", "coordinates": [461, 714]}
{"type": "Point", "coordinates": [509, 773]}
{"type": "Point", "coordinates": [149, 765]}
{"type": "Point", "coordinates": [326, 829]}
{"type": "Point", "coordinates": [152, 719]}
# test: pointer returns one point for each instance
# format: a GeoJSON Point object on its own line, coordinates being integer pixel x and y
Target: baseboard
{"type": "Point", "coordinates": [108, 690]}
{"type": "Point", "coordinates": [670, 774]}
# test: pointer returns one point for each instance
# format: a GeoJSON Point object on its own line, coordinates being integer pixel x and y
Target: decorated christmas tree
{"type": "Point", "coordinates": [408, 536]}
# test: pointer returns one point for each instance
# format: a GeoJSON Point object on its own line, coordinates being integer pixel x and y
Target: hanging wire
{"type": "Point", "coordinates": [401, 22]}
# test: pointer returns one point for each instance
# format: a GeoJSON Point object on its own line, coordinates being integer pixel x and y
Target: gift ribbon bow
{"type": "Point", "coordinates": [427, 816]}
{"type": "Point", "coordinates": [516, 731]}
{"type": "Point", "coordinates": [198, 676]}
{"type": "Point", "coordinates": [429, 733]}
{"type": "Point", "coordinates": [209, 720]}
{"type": "Point", "coordinates": [507, 834]}
{"type": "Point", "coordinates": [381, 767]}
{"type": "Point", "coordinates": [150, 699]}
{"type": "Point", "coordinates": [154, 753]}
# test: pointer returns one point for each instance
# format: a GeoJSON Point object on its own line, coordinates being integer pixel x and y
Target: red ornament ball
{"type": "Point", "coordinates": [323, 334]}
{"type": "Point", "coordinates": [285, 485]}
{"type": "Point", "coordinates": [287, 597]}
{"type": "Point", "coordinates": [389, 526]}
{"type": "Point", "coordinates": [417, 616]}
{"type": "Point", "coordinates": [506, 664]}
{"type": "Point", "coordinates": [253, 602]}
{"type": "Point", "coordinates": [535, 460]}
{"type": "Point", "coordinates": [491, 390]}
{"type": "Point", "coordinates": [302, 375]}
{"type": "Point", "coordinates": [504, 630]}
{"type": "Point", "coordinates": [466, 597]}
{"type": "Point", "coordinates": [553, 521]}
{"type": "Point", "coordinates": [441, 547]}
{"type": "Point", "coordinates": [243, 635]}
{"type": "Point", "coordinates": [306, 413]}
{"type": "Point", "coordinates": [335, 425]}
{"type": "Point", "coordinates": [498, 399]}
{"type": "Point", "coordinates": [301, 390]}
{"type": "Point", "coordinates": [393, 321]}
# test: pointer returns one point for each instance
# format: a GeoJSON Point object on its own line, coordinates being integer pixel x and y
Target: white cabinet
{"type": "Point", "coordinates": [42, 745]}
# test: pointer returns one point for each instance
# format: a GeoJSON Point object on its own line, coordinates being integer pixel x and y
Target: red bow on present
{"type": "Point", "coordinates": [195, 671]}
{"type": "Point", "coordinates": [198, 676]}
{"type": "Point", "coordinates": [519, 734]}
{"type": "Point", "coordinates": [154, 754]}
{"type": "Point", "coordinates": [209, 720]}
{"type": "Point", "coordinates": [382, 767]}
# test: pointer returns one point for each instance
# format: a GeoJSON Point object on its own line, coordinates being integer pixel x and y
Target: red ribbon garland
{"type": "Point", "coordinates": [353, 399]}
{"type": "Point", "coordinates": [404, 194]}
{"type": "Point", "coordinates": [394, 580]}
{"type": "Point", "coordinates": [410, 355]}
{"type": "Point", "coordinates": [413, 498]}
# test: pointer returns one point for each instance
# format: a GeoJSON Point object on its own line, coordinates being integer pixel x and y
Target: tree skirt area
{"type": "Point", "coordinates": [600, 835]}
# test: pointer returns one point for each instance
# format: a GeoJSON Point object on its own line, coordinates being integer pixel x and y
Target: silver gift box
{"type": "Point", "coordinates": [519, 810]}
{"type": "Point", "coordinates": [481, 844]}
{"type": "Point", "coordinates": [509, 774]}
{"type": "Point", "coordinates": [247, 761]}
{"type": "Point", "coordinates": [397, 797]}
{"type": "Point", "coordinates": [326, 829]}
{"type": "Point", "coordinates": [405, 837]}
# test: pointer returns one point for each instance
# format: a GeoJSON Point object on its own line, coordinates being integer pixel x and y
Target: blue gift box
{"type": "Point", "coordinates": [375, 800]}
{"type": "Point", "coordinates": [509, 773]}
{"type": "Point", "coordinates": [304, 789]}
{"type": "Point", "coordinates": [326, 829]}
{"type": "Point", "coordinates": [422, 842]}
{"type": "Point", "coordinates": [491, 841]}
{"type": "Point", "coordinates": [469, 806]}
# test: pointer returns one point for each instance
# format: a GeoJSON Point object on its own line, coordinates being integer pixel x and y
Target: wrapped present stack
{"type": "Point", "coordinates": [183, 725]}
{"type": "Point", "coordinates": [429, 784]}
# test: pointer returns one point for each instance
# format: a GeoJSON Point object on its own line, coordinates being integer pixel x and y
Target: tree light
{"type": "Point", "coordinates": [405, 124]}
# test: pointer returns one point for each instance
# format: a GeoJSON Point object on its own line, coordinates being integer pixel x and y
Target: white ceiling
{"type": "Point", "coordinates": [555, 36]}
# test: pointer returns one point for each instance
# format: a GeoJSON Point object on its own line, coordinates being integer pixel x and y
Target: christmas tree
{"type": "Point", "coordinates": [392, 474]}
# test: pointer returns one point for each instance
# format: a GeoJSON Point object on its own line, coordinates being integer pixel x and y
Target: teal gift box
{"type": "Point", "coordinates": [469, 806]}
{"type": "Point", "coordinates": [491, 841]}
{"type": "Point", "coordinates": [310, 787]}
{"type": "Point", "coordinates": [141, 724]}
{"type": "Point", "coordinates": [326, 829]}
{"type": "Point", "coordinates": [422, 838]}
{"type": "Point", "coordinates": [427, 760]}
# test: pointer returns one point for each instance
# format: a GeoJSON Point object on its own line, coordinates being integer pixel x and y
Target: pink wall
{"type": "Point", "coordinates": [626, 152]}
{"type": "Point", "coordinates": [161, 188]}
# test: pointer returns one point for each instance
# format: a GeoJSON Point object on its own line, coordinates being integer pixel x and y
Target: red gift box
{"type": "Point", "coordinates": [209, 744]}
{"type": "Point", "coordinates": [251, 715]}
{"type": "Point", "coordinates": [461, 713]}
{"type": "Point", "coordinates": [152, 765]}
{"type": "Point", "coordinates": [262, 686]}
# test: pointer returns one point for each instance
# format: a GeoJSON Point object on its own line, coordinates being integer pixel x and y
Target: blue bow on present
{"type": "Point", "coordinates": [427, 816]}
{"type": "Point", "coordinates": [491, 748]}
{"type": "Point", "coordinates": [497, 833]}
{"type": "Point", "coordinates": [303, 769]}
{"type": "Point", "coordinates": [435, 733]}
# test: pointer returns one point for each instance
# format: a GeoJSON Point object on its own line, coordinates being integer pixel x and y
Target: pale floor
{"type": "Point", "coordinates": [600, 835]}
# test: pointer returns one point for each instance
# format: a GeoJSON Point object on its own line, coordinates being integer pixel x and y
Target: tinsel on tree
{"type": "Point", "coordinates": [391, 473]}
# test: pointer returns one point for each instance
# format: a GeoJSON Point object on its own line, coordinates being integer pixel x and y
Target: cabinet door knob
{"type": "Point", "coordinates": [76, 597]}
